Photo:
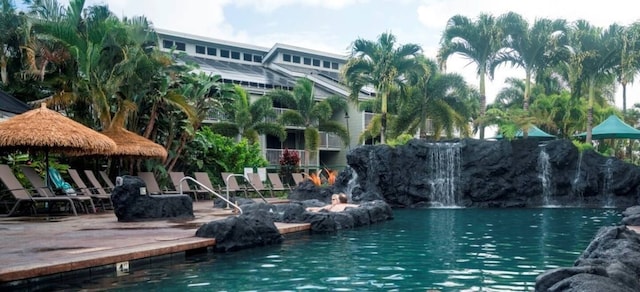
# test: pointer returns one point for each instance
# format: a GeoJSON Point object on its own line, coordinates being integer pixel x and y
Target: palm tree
{"type": "Point", "coordinates": [529, 48]}
{"type": "Point", "coordinates": [441, 98]}
{"type": "Point", "coordinates": [478, 41]}
{"type": "Point", "coordinates": [383, 65]}
{"type": "Point", "coordinates": [249, 119]}
{"type": "Point", "coordinates": [598, 55]}
{"type": "Point", "coordinates": [629, 59]}
{"type": "Point", "coordinates": [303, 110]}
{"type": "Point", "coordinates": [9, 25]}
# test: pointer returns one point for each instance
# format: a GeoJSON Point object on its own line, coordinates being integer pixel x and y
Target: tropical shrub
{"type": "Point", "coordinates": [215, 153]}
{"type": "Point", "coordinates": [289, 163]}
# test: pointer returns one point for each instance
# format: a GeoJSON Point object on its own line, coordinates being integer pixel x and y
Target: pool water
{"type": "Point", "coordinates": [426, 249]}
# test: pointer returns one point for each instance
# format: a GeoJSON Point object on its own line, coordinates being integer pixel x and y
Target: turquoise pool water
{"type": "Point", "coordinates": [439, 249]}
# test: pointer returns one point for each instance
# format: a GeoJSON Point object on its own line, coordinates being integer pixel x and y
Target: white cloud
{"type": "Point", "coordinates": [267, 6]}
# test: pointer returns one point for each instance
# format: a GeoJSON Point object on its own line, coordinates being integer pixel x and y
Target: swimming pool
{"type": "Point", "coordinates": [440, 249]}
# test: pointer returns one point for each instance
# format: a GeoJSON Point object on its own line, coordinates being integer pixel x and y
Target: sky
{"type": "Point", "coordinates": [332, 25]}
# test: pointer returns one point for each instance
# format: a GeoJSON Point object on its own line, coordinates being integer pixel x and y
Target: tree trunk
{"type": "Point", "coordinates": [624, 98]}
{"type": "Point", "coordinates": [483, 103]}
{"type": "Point", "coordinates": [152, 120]}
{"type": "Point", "coordinates": [525, 106]}
{"type": "Point", "coordinates": [3, 70]}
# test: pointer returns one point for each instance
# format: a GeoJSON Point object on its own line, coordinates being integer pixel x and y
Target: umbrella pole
{"type": "Point", "coordinates": [46, 171]}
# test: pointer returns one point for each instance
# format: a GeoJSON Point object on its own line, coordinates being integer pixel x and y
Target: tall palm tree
{"type": "Point", "coordinates": [598, 55]}
{"type": "Point", "coordinates": [9, 25]}
{"type": "Point", "coordinates": [440, 98]}
{"type": "Point", "coordinates": [530, 47]}
{"type": "Point", "coordinates": [249, 119]}
{"type": "Point", "coordinates": [303, 110]}
{"type": "Point", "coordinates": [629, 59]}
{"type": "Point", "coordinates": [382, 64]}
{"type": "Point", "coordinates": [478, 41]}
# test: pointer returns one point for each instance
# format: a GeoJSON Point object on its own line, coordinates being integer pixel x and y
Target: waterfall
{"type": "Point", "coordinates": [545, 176]}
{"type": "Point", "coordinates": [577, 189]}
{"type": "Point", "coordinates": [606, 186]}
{"type": "Point", "coordinates": [443, 167]}
{"type": "Point", "coordinates": [351, 184]}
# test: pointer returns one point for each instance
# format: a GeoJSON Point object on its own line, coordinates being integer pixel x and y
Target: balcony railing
{"type": "Point", "coordinates": [273, 156]}
{"type": "Point", "coordinates": [330, 141]}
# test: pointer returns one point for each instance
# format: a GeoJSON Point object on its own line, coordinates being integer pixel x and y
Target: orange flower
{"type": "Point", "coordinates": [315, 178]}
{"type": "Point", "coordinates": [331, 176]}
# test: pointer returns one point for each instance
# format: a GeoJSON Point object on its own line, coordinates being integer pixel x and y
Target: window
{"type": "Point", "coordinates": [224, 53]}
{"type": "Point", "coordinates": [180, 46]}
{"type": "Point", "coordinates": [286, 57]}
{"type": "Point", "coordinates": [247, 57]}
{"type": "Point", "coordinates": [326, 64]}
{"type": "Point", "coordinates": [235, 55]}
{"type": "Point", "coordinates": [211, 51]}
{"type": "Point", "coordinates": [334, 65]}
{"type": "Point", "coordinates": [167, 44]}
{"type": "Point", "coordinates": [307, 61]}
{"type": "Point", "coordinates": [257, 59]}
{"type": "Point", "coordinates": [199, 49]}
{"type": "Point", "coordinates": [296, 59]}
{"type": "Point", "coordinates": [316, 62]}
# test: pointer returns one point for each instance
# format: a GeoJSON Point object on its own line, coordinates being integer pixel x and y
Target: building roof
{"type": "Point", "coordinates": [11, 104]}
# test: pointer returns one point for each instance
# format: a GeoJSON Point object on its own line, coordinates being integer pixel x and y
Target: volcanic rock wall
{"type": "Point", "coordinates": [474, 173]}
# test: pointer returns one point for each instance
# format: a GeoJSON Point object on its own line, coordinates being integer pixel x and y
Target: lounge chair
{"type": "Point", "coordinates": [276, 183]}
{"type": "Point", "coordinates": [22, 195]}
{"type": "Point", "coordinates": [98, 194]}
{"type": "Point", "coordinates": [231, 184]}
{"type": "Point", "coordinates": [175, 179]}
{"type": "Point", "coordinates": [97, 186]}
{"type": "Point", "coordinates": [153, 188]}
{"type": "Point", "coordinates": [256, 183]}
{"type": "Point", "coordinates": [38, 183]}
{"type": "Point", "coordinates": [106, 179]}
{"type": "Point", "coordinates": [45, 191]}
{"type": "Point", "coordinates": [203, 178]}
{"type": "Point", "coordinates": [298, 178]}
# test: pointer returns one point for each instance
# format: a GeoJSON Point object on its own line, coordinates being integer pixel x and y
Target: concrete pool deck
{"type": "Point", "coordinates": [32, 247]}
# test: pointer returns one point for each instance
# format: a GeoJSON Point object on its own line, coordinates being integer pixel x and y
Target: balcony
{"type": "Point", "coordinates": [273, 156]}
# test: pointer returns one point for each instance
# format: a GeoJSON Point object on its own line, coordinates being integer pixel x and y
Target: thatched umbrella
{"type": "Point", "coordinates": [46, 130]}
{"type": "Point", "coordinates": [132, 145]}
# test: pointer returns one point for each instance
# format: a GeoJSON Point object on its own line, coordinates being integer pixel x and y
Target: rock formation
{"type": "Point", "coordinates": [611, 262]}
{"type": "Point", "coordinates": [129, 205]}
{"type": "Point", "coordinates": [474, 173]}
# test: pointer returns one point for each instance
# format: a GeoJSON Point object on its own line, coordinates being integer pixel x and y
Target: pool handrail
{"type": "Point", "coordinates": [247, 180]}
{"type": "Point", "coordinates": [211, 191]}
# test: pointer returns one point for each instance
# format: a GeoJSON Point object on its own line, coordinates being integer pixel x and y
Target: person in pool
{"type": "Point", "coordinates": [338, 204]}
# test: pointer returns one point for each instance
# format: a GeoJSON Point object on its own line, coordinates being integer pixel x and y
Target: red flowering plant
{"type": "Point", "coordinates": [289, 163]}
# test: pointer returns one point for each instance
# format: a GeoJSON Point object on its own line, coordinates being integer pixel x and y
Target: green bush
{"type": "Point", "coordinates": [215, 153]}
{"type": "Point", "coordinates": [582, 146]}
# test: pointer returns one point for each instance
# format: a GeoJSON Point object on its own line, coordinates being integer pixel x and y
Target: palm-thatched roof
{"type": "Point", "coordinates": [48, 130]}
{"type": "Point", "coordinates": [129, 144]}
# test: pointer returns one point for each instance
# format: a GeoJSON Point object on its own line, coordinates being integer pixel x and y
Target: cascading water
{"type": "Point", "coordinates": [443, 167]}
{"type": "Point", "coordinates": [578, 189]}
{"type": "Point", "coordinates": [606, 186]}
{"type": "Point", "coordinates": [351, 184]}
{"type": "Point", "coordinates": [545, 176]}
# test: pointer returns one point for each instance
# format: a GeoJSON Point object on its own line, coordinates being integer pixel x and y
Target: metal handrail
{"type": "Point", "coordinates": [211, 191]}
{"type": "Point", "coordinates": [247, 180]}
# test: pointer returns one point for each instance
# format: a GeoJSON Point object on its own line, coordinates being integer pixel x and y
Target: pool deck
{"type": "Point", "coordinates": [32, 247]}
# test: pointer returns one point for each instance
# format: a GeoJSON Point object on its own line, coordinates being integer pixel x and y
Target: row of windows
{"type": "Point", "coordinates": [167, 44]}
{"type": "Point", "coordinates": [309, 61]}
{"type": "Point", "coordinates": [211, 51]}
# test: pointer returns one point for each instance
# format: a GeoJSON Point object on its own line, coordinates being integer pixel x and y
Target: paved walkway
{"type": "Point", "coordinates": [38, 246]}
